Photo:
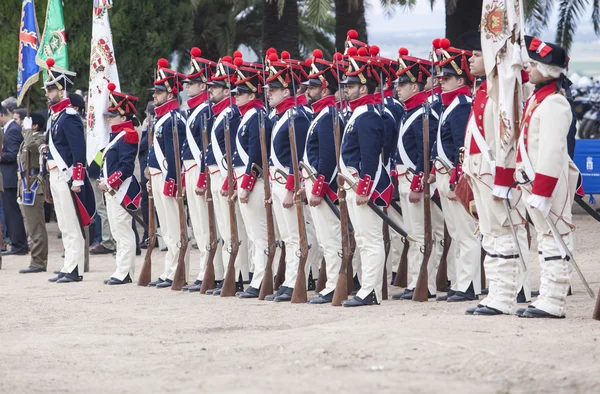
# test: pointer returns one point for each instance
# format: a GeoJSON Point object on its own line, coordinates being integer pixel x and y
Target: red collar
{"type": "Point", "coordinates": [415, 100]}
{"type": "Point", "coordinates": [196, 101]}
{"type": "Point", "coordinates": [249, 105]}
{"type": "Point", "coordinates": [166, 107]}
{"type": "Point", "coordinates": [327, 101]}
{"type": "Point", "coordinates": [437, 90]}
{"type": "Point", "coordinates": [284, 105]}
{"type": "Point", "coordinates": [388, 93]}
{"type": "Point", "coordinates": [220, 106]}
{"type": "Point", "coordinates": [377, 98]}
{"type": "Point", "coordinates": [117, 128]}
{"type": "Point", "coordinates": [56, 108]}
{"type": "Point", "coordinates": [364, 100]}
{"type": "Point", "coordinates": [302, 100]}
{"type": "Point", "coordinates": [546, 88]}
{"type": "Point", "coordinates": [448, 97]}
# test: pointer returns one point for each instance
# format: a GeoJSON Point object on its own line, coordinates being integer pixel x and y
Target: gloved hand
{"type": "Point", "coordinates": [27, 123]}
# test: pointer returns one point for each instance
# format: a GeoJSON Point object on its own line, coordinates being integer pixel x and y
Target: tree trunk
{"type": "Point", "coordinates": [465, 17]}
{"type": "Point", "coordinates": [349, 17]}
{"type": "Point", "coordinates": [281, 33]}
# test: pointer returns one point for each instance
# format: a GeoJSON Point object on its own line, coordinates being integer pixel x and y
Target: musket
{"type": "Point", "coordinates": [387, 242]}
{"type": "Point", "coordinates": [266, 287]}
{"type": "Point", "coordinates": [146, 271]}
{"type": "Point", "coordinates": [402, 271]}
{"type": "Point", "coordinates": [344, 284]}
{"type": "Point", "coordinates": [441, 278]}
{"type": "Point", "coordinates": [228, 289]}
{"type": "Point", "coordinates": [299, 295]}
{"type": "Point", "coordinates": [208, 281]}
{"type": "Point", "coordinates": [179, 280]}
{"type": "Point", "coordinates": [421, 292]}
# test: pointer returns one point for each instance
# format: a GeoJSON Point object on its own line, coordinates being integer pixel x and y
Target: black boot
{"type": "Point", "coordinates": [468, 295]}
{"type": "Point", "coordinates": [357, 301]}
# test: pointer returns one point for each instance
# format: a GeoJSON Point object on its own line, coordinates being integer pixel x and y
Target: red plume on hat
{"type": "Point", "coordinates": [352, 40]}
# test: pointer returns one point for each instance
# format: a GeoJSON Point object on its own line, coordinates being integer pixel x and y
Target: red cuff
{"type": "Point", "coordinates": [183, 179]}
{"type": "Point", "coordinates": [290, 184]}
{"type": "Point", "coordinates": [248, 182]}
{"type": "Point", "coordinates": [201, 184]}
{"type": "Point", "coordinates": [78, 172]}
{"type": "Point", "coordinates": [417, 183]}
{"type": "Point", "coordinates": [225, 186]}
{"type": "Point", "coordinates": [504, 176]}
{"type": "Point", "coordinates": [432, 172]}
{"type": "Point", "coordinates": [543, 185]}
{"type": "Point", "coordinates": [364, 186]}
{"type": "Point", "coordinates": [115, 180]}
{"type": "Point", "coordinates": [320, 187]}
{"type": "Point", "coordinates": [170, 188]}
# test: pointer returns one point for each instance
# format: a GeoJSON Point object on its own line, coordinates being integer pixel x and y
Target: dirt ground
{"type": "Point", "coordinates": [91, 338]}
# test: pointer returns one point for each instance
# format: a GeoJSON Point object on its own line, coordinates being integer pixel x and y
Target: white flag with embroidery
{"type": "Point", "coordinates": [103, 69]}
{"type": "Point", "coordinates": [503, 46]}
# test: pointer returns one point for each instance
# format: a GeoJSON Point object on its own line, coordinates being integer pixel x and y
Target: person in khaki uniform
{"type": "Point", "coordinates": [31, 191]}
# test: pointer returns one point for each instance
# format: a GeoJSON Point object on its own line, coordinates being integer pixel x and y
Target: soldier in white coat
{"type": "Point", "coordinates": [547, 175]}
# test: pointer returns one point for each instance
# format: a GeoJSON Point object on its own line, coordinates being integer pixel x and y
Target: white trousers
{"type": "Point", "coordinates": [168, 216]}
{"type": "Point", "coordinates": [199, 216]}
{"type": "Point", "coordinates": [461, 227]}
{"type": "Point", "coordinates": [120, 226]}
{"type": "Point", "coordinates": [254, 216]}
{"type": "Point", "coordinates": [222, 216]}
{"type": "Point", "coordinates": [503, 268]}
{"type": "Point", "coordinates": [287, 222]}
{"type": "Point", "coordinates": [329, 238]}
{"type": "Point", "coordinates": [68, 224]}
{"type": "Point", "coordinates": [555, 272]}
{"type": "Point", "coordinates": [368, 231]}
{"type": "Point", "coordinates": [415, 215]}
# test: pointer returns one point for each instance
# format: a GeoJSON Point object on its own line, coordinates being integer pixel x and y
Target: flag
{"type": "Point", "coordinates": [503, 47]}
{"type": "Point", "coordinates": [28, 70]}
{"type": "Point", "coordinates": [54, 40]}
{"type": "Point", "coordinates": [103, 69]}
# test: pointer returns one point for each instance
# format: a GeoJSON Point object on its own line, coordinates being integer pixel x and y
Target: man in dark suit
{"type": "Point", "coordinates": [15, 227]}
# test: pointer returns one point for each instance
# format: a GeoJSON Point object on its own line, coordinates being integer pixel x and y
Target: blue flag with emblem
{"type": "Point", "coordinates": [28, 70]}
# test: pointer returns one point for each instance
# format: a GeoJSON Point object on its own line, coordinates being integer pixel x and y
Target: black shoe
{"type": "Point", "coordinates": [115, 281]}
{"type": "Point", "coordinates": [70, 278]}
{"type": "Point", "coordinates": [60, 275]}
{"type": "Point", "coordinates": [470, 310]}
{"type": "Point", "coordinates": [407, 295]}
{"type": "Point", "coordinates": [521, 297]}
{"type": "Point", "coordinates": [399, 295]}
{"type": "Point", "coordinates": [32, 270]}
{"type": "Point", "coordinates": [194, 288]}
{"type": "Point", "coordinates": [520, 312]}
{"type": "Point", "coordinates": [219, 284]}
{"type": "Point", "coordinates": [56, 272]}
{"type": "Point", "coordinates": [322, 299]}
{"type": "Point", "coordinates": [535, 293]}
{"type": "Point", "coordinates": [286, 296]}
{"type": "Point", "coordinates": [165, 249]}
{"type": "Point", "coordinates": [17, 252]}
{"type": "Point", "coordinates": [357, 301]}
{"type": "Point", "coordinates": [164, 284]}
{"type": "Point", "coordinates": [460, 296]}
{"type": "Point", "coordinates": [101, 249]}
{"type": "Point", "coordinates": [250, 292]}
{"type": "Point", "coordinates": [279, 292]}
{"type": "Point", "coordinates": [485, 291]}
{"type": "Point", "coordinates": [487, 311]}
{"type": "Point", "coordinates": [156, 282]}
{"type": "Point", "coordinates": [445, 297]}
{"type": "Point", "coordinates": [532, 312]}
{"type": "Point", "coordinates": [430, 296]}
{"type": "Point", "coordinates": [196, 283]}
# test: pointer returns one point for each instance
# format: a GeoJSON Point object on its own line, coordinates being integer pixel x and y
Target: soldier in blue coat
{"type": "Point", "coordinates": [361, 162]}
{"type": "Point", "coordinates": [412, 76]}
{"type": "Point", "coordinates": [72, 191]}
{"type": "Point", "coordinates": [120, 186]}
{"type": "Point", "coordinates": [161, 164]}
{"type": "Point", "coordinates": [225, 112]}
{"type": "Point", "coordinates": [320, 157]}
{"type": "Point", "coordinates": [456, 79]}
{"type": "Point", "coordinates": [248, 154]}
{"type": "Point", "coordinates": [281, 96]}
{"type": "Point", "coordinates": [194, 175]}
